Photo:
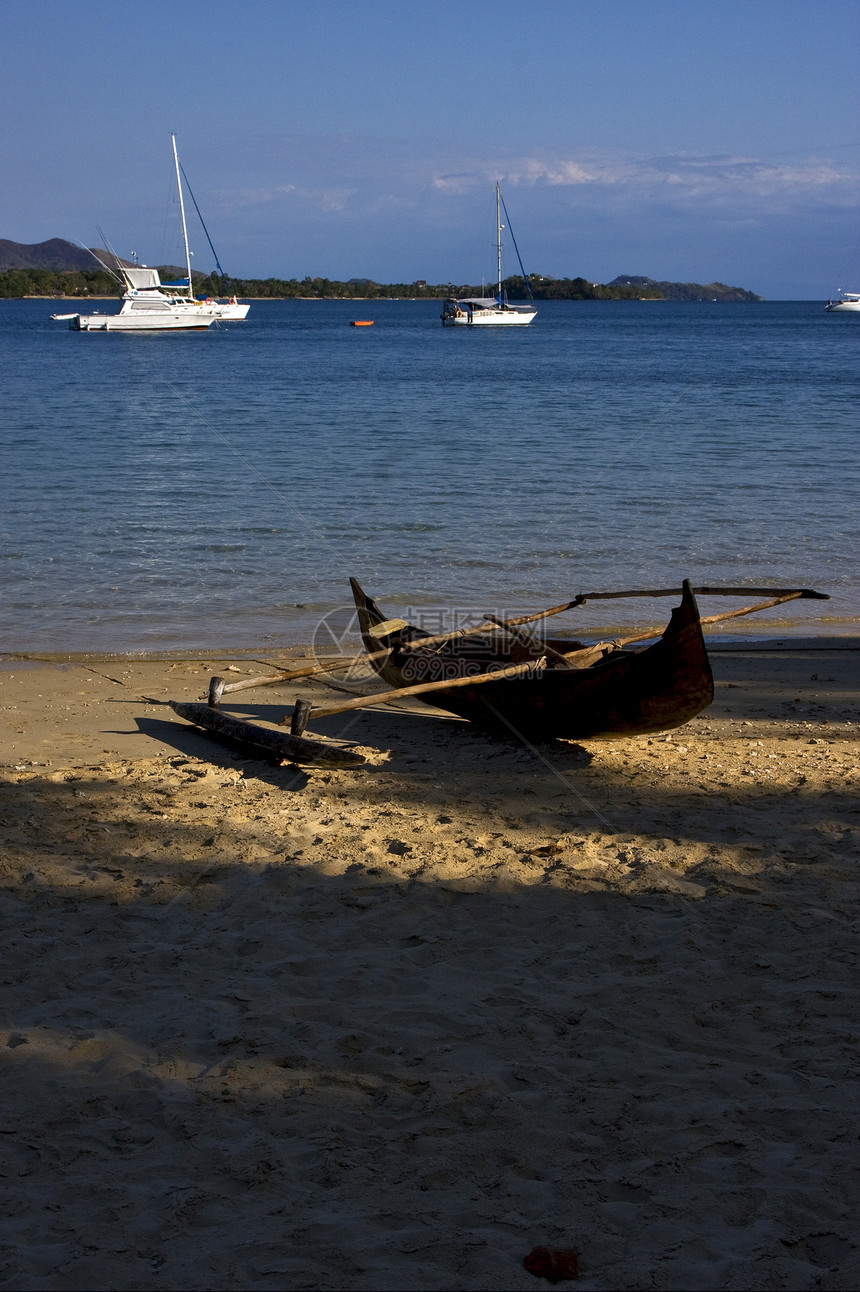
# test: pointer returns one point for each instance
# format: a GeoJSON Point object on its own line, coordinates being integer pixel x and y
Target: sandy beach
{"type": "Point", "coordinates": [393, 1027]}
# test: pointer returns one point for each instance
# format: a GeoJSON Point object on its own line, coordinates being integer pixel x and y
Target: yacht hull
{"type": "Point", "coordinates": [492, 318]}
{"type": "Point", "coordinates": [133, 318]}
{"type": "Point", "coordinates": [231, 313]}
{"type": "Point", "coordinates": [845, 303]}
{"type": "Point", "coordinates": [140, 323]}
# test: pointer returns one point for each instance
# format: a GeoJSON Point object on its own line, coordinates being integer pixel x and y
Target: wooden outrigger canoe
{"type": "Point", "coordinates": [593, 692]}
{"type": "Point", "coordinates": [572, 692]}
{"type": "Point", "coordinates": [499, 676]}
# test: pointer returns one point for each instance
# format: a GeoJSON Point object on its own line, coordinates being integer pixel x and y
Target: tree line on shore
{"type": "Point", "coordinates": [19, 283]}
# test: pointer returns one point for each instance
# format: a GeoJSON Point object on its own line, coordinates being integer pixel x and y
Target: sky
{"type": "Point", "coordinates": [692, 141]}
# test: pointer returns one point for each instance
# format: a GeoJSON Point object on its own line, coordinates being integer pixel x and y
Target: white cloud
{"type": "Point", "coordinates": [317, 198]}
{"type": "Point", "coordinates": [359, 175]}
{"type": "Point", "coordinates": [258, 196]}
{"type": "Point", "coordinates": [683, 179]}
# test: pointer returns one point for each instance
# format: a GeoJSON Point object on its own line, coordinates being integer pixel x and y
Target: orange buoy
{"type": "Point", "coordinates": [361, 323]}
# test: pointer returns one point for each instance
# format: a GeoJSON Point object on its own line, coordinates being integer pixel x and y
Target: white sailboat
{"type": "Point", "coordinates": [846, 302]}
{"type": "Point", "coordinates": [148, 305]}
{"type": "Point", "coordinates": [480, 311]}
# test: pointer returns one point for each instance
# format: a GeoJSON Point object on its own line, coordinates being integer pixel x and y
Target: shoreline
{"type": "Point", "coordinates": [847, 640]}
{"type": "Point", "coordinates": [540, 301]}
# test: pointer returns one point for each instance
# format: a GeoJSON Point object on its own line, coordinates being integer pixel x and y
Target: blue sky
{"type": "Point", "coordinates": [692, 141]}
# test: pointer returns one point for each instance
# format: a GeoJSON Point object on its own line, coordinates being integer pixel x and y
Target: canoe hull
{"type": "Point", "coordinates": [626, 693]}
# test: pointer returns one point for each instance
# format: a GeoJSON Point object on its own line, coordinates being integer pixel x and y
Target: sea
{"type": "Point", "coordinates": [213, 491]}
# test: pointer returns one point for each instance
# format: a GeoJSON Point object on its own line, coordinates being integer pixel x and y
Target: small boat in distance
{"type": "Point", "coordinates": [846, 302]}
{"type": "Point", "coordinates": [479, 311]}
{"type": "Point", "coordinates": [148, 305]}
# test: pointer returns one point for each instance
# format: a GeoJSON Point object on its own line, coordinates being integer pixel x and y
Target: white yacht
{"type": "Point", "coordinates": [149, 305]}
{"type": "Point", "coordinates": [845, 302]}
{"type": "Point", "coordinates": [481, 311]}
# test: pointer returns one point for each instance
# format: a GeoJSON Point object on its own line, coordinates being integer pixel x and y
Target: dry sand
{"type": "Point", "coordinates": [393, 1027]}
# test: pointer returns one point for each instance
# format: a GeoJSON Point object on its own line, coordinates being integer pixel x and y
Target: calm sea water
{"type": "Point", "coordinates": [216, 490]}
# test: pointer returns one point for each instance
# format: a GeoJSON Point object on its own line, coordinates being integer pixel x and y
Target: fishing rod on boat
{"type": "Point", "coordinates": [98, 259]}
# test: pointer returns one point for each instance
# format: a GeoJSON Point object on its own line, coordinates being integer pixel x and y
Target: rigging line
{"type": "Point", "coordinates": [517, 250]}
{"type": "Point", "coordinates": [202, 221]}
{"type": "Point", "coordinates": [287, 502]}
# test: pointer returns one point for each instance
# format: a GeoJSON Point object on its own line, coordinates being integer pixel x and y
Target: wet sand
{"type": "Point", "coordinates": [393, 1027]}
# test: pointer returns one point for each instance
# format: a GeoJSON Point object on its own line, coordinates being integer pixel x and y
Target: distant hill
{"type": "Point", "coordinates": [62, 257]}
{"type": "Point", "coordinates": [685, 291]}
{"type": "Point", "coordinates": [56, 254]}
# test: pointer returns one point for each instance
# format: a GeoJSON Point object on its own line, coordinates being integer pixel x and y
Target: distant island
{"type": "Point", "coordinates": [57, 268]}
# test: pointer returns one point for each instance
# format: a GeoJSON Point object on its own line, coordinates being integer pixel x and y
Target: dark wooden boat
{"type": "Point", "coordinates": [502, 676]}
{"type": "Point", "coordinates": [574, 692]}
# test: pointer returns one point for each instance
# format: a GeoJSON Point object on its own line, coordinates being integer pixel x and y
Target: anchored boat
{"type": "Point", "coordinates": [475, 311]}
{"type": "Point", "coordinates": [845, 303]}
{"type": "Point", "coordinates": [148, 305]}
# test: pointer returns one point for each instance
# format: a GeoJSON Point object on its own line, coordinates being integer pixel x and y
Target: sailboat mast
{"type": "Point", "coordinates": [182, 213]}
{"type": "Point", "coordinates": [499, 232]}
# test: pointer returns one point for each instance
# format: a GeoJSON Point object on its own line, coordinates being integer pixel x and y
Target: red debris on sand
{"type": "Point", "coordinates": [553, 1263]}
